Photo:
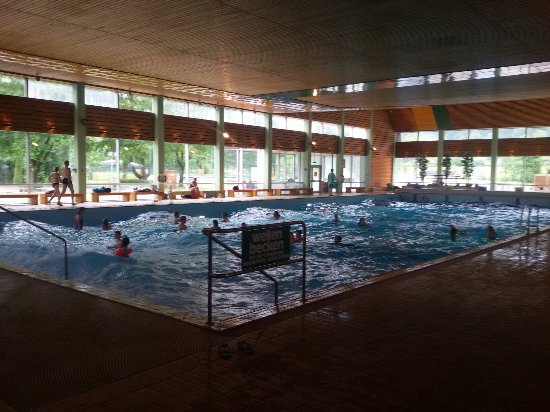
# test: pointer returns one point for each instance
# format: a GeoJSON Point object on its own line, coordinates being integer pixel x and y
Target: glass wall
{"type": "Point", "coordinates": [285, 169]}
{"type": "Point", "coordinates": [12, 85]}
{"type": "Point", "coordinates": [119, 163]}
{"type": "Point", "coordinates": [243, 168]}
{"type": "Point", "coordinates": [405, 171]}
{"type": "Point", "coordinates": [353, 171]}
{"type": "Point", "coordinates": [27, 159]}
{"type": "Point", "coordinates": [519, 171]}
{"type": "Point", "coordinates": [188, 161]}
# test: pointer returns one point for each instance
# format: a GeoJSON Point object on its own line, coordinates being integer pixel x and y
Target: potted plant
{"type": "Point", "coordinates": [446, 165]}
{"type": "Point", "coordinates": [467, 167]}
{"type": "Point", "coordinates": [422, 164]}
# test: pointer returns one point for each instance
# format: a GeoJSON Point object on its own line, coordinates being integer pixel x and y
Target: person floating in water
{"type": "Point", "coordinates": [276, 215]}
{"type": "Point", "coordinates": [362, 222]}
{"type": "Point", "coordinates": [54, 178]}
{"type": "Point", "coordinates": [215, 225]}
{"type": "Point", "coordinates": [224, 217]}
{"type": "Point", "coordinates": [105, 225]}
{"type": "Point", "coordinates": [335, 219]}
{"type": "Point", "coordinates": [123, 250]}
{"type": "Point", "coordinates": [337, 239]}
{"type": "Point", "coordinates": [453, 232]}
{"type": "Point", "coordinates": [118, 241]}
{"type": "Point", "coordinates": [296, 237]}
{"type": "Point", "coordinates": [78, 219]}
{"type": "Point", "coordinates": [176, 218]}
{"type": "Point", "coordinates": [491, 233]}
{"type": "Point", "coordinates": [182, 224]}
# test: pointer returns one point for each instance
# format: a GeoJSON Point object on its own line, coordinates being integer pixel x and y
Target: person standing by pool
{"type": "Point", "coordinates": [54, 178]}
{"type": "Point", "coordinates": [67, 181]}
{"type": "Point", "coordinates": [78, 219]}
{"type": "Point", "coordinates": [331, 182]}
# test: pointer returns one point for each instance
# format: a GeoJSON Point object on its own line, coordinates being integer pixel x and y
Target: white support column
{"type": "Point", "coordinates": [158, 144]}
{"type": "Point", "coordinates": [307, 155]}
{"type": "Point", "coordinates": [79, 178]}
{"type": "Point", "coordinates": [340, 155]}
{"type": "Point", "coordinates": [368, 159]}
{"type": "Point", "coordinates": [440, 150]}
{"type": "Point", "coordinates": [219, 151]}
{"type": "Point", "coordinates": [268, 151]}
{"type": "Point", "coordinates": [494, 158]}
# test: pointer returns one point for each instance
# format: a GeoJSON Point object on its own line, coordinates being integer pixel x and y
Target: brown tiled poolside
{"type": "Point", "coordinates": [472, 335]}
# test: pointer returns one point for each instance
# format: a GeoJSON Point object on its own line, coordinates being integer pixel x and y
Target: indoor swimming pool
{"type": "Point", "coordinates": [169, 268]}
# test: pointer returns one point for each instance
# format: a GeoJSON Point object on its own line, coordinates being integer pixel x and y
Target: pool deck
{"type": "Point", "coordinates": [471, 334]}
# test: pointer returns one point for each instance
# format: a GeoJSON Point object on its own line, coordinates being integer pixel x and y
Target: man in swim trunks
{"type": "Point", "coordinates": [67, 180]}
{"type": "Point", "coordinates": [54, 179]}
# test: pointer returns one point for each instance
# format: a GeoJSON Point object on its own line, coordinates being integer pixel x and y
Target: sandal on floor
{"type": "Point", "coordinates": [245, 347]}
{"type": "Point", "coordinates": [224, 351]}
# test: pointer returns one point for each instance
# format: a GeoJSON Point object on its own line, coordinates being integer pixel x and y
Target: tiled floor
{"type": "Point", "coordinates": [472, 335]}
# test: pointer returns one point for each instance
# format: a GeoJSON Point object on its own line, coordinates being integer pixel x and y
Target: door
{"type": "Point", "coordinates": [316, 177]}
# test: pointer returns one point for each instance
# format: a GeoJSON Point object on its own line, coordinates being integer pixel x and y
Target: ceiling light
{"type": "Point", "coordinates": [373, 148]}
{"type": "Point", "coordinates": [225, 134]}
{"type": "Point", "coordinates": [34, 143]}
{"type": "Point", "coordinates": [313, 143]}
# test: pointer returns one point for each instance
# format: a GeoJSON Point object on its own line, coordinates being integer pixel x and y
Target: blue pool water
{"type": "Point", "coordinates": [169, 268]}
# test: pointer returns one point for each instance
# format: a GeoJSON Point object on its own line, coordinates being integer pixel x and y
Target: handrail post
{"type": "Point", "coordinates": [304, 243]}
{"type": "Point", "coordinates": [209, 278]}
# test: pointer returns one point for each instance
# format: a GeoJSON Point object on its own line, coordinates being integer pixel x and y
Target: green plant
{"type": "Point", "coordinates": [467, 165]}
{"type": "Point", "coordinates": [446, 165]}
{"type": "Point", "coordinates": [422, 164]}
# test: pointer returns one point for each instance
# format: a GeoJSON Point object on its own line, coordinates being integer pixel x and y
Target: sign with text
{"type": "Point", "coordinates": [265, 246]}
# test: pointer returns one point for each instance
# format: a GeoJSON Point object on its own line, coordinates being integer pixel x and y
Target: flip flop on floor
{"type": "Point", "coordinates": [245, 347]}
{"type": "Point", "coordinates": [224, 351]}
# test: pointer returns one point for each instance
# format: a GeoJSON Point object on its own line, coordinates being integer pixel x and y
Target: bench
{"type": "Point", "coordinates": [33, 197]}
{"type": "Point", "coordinates": [43, 197]}
{"type": "Point", "coordinates": [159, 195]}
{"type": "Point", "coordinates": [356, 189]}
{"type": "Point", "coordinates": [125, 195]}
{"type": "Point", "coordinates": [247, 192]}
{"type": "Point", "coordinates": [294, 191]}
{"type": "Point", "coordinates": [262, 191]}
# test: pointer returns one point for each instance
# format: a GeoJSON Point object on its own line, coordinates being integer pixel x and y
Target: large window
{"type": "Point", "coordinates": [285, 167]}
{"type": "Point", "coordinates": [26, 159]}
{"type": "Point", "coordinates": [48, 90]}
{"type": "Point", "coordinates": [12, 85]}
{"type": "Point", "coordinates": [244, 168]}
{"type": "Point", "coordinates": [520, 171]}
{"type": "Point", "coordinates": [190, 161]}
{"type": "Point", "coordinates": [120, 163]}
{"type": "Point", "coordinates": [353, 171]}
{"type": "Point", "coordinates": [405, 171]}
{"type": "Point", "coordinates": [289, 123]}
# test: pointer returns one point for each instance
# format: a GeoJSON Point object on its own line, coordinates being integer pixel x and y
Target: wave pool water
{"type": "Point", "coordinates": [170, 268]}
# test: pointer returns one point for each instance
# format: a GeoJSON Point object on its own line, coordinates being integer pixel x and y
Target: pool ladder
{"type": "Point", "coordinates": [531, 218]}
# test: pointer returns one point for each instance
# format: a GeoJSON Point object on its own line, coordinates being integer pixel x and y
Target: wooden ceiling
{"type": "Point", "coordinates": [264, 46]}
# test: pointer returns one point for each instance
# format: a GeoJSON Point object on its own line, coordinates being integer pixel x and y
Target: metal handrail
{"type": "Point", "coordinates": [529, 215]}
{"type": "Point", "coordinates": [44, 230]}
{"type": "Point", "coordinates": [211, 275]}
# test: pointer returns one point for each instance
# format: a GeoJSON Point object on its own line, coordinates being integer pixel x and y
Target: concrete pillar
{"type": "Point", "coordinates": [440, 151]}
{"type": "Point", "coordinates": [268, 151]}
{"type": "Point", "coordinates": [79, 178]}
{"type": "Point", "coordinates": [494, 158]}
{"type": "Point", "coordinates": [368, 159]}
{"type": "Point", "coordinates": [340, 155]}
{"type": "Point", "coordinates": [158, 143]}
{"type": "Point", "coordinates": [307, 154]}
{"type": "Point", "coordinates": [219, 151]}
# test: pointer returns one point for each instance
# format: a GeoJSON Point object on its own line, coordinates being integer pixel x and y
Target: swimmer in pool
{"type": "Point", "coordinates": [335, 219]}
{"type": "Point", "coordinates": [78, 219]}
{"type": "Point", "coordinates": [176, 219]}
{"type": "Point", "coordinates": [491, 233]}
{"type": "Point", "coordinates": [362, 222]}
{"type": "Point", "coordinates": [118, 241]}
{"type": "Point", "coordinates": [296, 237]}
{"type": "Point", "coordinates": [224, 217]}
{"type": "Point", "coordinates": [105, 225]}
{"type": "Point", "coordinates": [276, 215]}
{"type": "Point", "coordinates": [124, 250]}
{"type": "Point", "coordinates": [182, 225]}
{"type": "Point", "coordinates": [337, 239]}
{"type": "Point", "coordinates": [215, 225]}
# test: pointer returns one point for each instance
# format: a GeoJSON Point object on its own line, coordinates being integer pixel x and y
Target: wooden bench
{"type": "Point", "coordinates": [159, 195]}
{"type": "Point", "coordinates": [294, 191]}
{"type": "Point", "coordinates": [43, 197]}
{"type": "Point", "coordinates": [356, 189]}
{"type": "Point", "coordinates": [247, 192]}
{"type": "Point", "coordinates": [125, 195]}
{"type": "Point", "coordinates": [262, 191]}
{"type": "Point", "coordinates": [33, 197]}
